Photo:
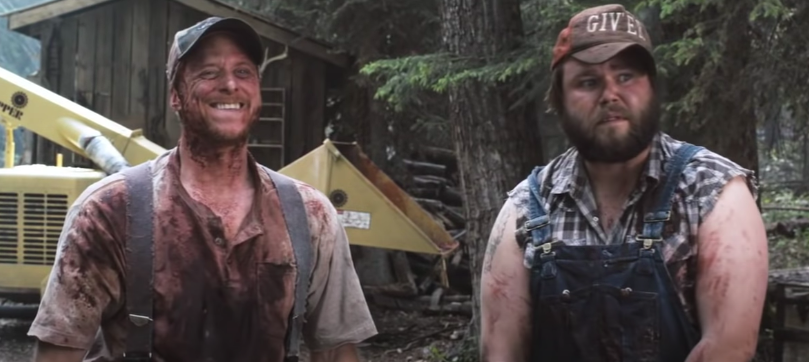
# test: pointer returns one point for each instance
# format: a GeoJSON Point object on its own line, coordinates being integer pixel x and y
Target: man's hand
{"type": "Point", "coordinates": [46, 352]}
{"type": "Point", "coordinates": [731, 277]}
{"type": "Point", "coordinates": [505, 300]}
{"type": "Point", "coordinates": [344, 353]}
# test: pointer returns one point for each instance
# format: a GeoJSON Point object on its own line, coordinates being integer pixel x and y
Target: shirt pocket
{"type": "Point", "coordinates": [275, 295]}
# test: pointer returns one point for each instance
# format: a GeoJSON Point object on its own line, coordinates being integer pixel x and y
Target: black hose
{"type": "Point", "coordinates": [18, 311]}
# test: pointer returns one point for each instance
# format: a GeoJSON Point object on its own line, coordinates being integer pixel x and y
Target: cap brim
{"type": "Point", "coordinates": [601, 53]}
{"type": "Point", "coordinates": [251, 39]}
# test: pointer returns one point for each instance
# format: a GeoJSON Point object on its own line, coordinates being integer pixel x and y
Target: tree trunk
{"type": "Point", "coordinates": [496, 146]}
{"type": "Point", "coordinates": [732, 131]}
{"type": "Point", "coordinates": [724, 121]}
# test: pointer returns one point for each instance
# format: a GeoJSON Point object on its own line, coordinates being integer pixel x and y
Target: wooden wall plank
{"type": "Point", "coordinates": [44, 150]}
{"type": "Point", "coordinates": [68, 32]}
{"type": "Point", "coordinates": [307, 97]}
{"type": "Point", "coordinates": [157, 49]}
{"type": "Point", "coordinates": [49, 61]}
{"type": "Point", "coordinates": [85, 58]}
{"type": "Point", "coordinates": [193, 16]}
{"type": "Point", "coordinates": [138, 76]}
{"type": "Point", "coordinates": [122, 64]}
{"type": "Point", "coordinates": [68, 35]}
{"type": "Point", "coordinates": [316, 98]}
{"type": "Point", "coordinates": [102, 102]}
{"type": "Point", "coordinates": [176, 22]}
{"type": "Point", "coordinates": [297, 108]}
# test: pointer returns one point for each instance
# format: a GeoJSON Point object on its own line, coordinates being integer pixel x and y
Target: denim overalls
{"type": "Point", "coordinates": [606, 303]}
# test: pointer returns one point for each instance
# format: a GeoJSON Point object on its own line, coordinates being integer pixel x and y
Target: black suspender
{"type": "Point", "coordinates": [140, 259]}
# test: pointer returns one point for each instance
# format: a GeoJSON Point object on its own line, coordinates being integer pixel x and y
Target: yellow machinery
{"type": "Point", "coordinates": [34, 199]}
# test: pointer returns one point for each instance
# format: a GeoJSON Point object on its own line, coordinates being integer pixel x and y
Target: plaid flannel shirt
{"type": "Point", "coordinates": [574, 216]}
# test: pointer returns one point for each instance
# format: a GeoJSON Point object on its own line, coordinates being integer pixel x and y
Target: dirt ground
{"type": "Point", "coordinates": [413, 337]}
{"type": "Point", "coordinates": [403, 337]}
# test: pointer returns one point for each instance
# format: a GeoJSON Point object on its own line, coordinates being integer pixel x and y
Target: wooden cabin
{"type": "Point", "coordinates": [110, 56]}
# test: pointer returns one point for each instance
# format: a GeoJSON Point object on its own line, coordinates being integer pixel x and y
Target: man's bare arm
{"type": "Point", "coordinates": [344, 353]}
{"type": "Point", "coordinates": [46, 352]}
{"type": "Point", "coordinates": [505, 299]}
{"type": "Point", "coordinates": [731, 277]}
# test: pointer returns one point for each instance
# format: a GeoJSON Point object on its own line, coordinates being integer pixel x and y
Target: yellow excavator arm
{"type": "Point", "coordinates": [108, 144]}
{"type": "Point", "coordinates": [34, 199]}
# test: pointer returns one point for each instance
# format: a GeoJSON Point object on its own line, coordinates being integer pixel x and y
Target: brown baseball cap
{"type": "Point", "coordinates": [185, 40]}
{"type": "Point", "coordinates": [597, 34]}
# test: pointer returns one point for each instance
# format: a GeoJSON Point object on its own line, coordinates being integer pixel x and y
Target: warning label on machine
{"type": "Point", "coordinates": [355, 219]}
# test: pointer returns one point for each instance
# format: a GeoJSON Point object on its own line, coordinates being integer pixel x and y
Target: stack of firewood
{"type": "Point", "coordinates": [433, 182]}
{"type": "Point", "coordinates": [436, 186]}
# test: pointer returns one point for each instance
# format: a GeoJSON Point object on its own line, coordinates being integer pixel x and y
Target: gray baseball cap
{"type": "Point", "coordinates": [186, 39]}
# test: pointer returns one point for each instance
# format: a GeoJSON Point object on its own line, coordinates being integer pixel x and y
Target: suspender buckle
{"type": "Point", "coordinates": [137, 356]}
{"type": "Point", "coordinates": [140, 320]}
{"type": "Point", "coordinates": [647, 242]}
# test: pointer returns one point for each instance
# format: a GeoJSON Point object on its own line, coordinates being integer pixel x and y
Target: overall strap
{"type": "Point", "coordinates": [653, 221]}
{"type": "Point", "coordinates": [538, 223]}
{"type": "Point", "coordinates": [139, 262]}
{"type": "Point", "coordinates": [298, 226]}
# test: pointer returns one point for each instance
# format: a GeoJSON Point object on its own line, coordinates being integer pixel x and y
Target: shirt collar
{"type": "Point", "coordinates": [569, 176]}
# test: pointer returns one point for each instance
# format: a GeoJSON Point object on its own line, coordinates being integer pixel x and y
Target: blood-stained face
{"type": "Point", "coordinates": [217, 95]}
{"type": "Point", "coordinates": [611, 113]}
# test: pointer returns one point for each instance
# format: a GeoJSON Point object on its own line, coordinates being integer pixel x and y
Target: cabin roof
{"type": "Point", "coordinates": [22, 13]}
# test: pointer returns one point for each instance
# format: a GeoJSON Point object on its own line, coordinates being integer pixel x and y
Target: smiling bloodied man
{"type": "Point", "coordinates": [631, 245]}
{"type": "Point", "coordinates": [233, 243]}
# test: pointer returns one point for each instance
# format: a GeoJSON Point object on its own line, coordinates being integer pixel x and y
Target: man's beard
{"type": "Point", "coordinates": [197, 129]}
{"type": "Point", "coordinates": [617, 149]}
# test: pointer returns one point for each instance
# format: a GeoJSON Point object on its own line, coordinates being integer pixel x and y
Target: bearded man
{"type": "Point", "coordinates": [203, 254]}
{"type": "Point", "coordinates": [631, 245]}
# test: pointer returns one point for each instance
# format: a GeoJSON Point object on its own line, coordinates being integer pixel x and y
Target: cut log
{"type": "Point", "coordinates": [425, 168]}
{"type": "Point", "coordinates": [457, 210]}
{"type": "Point", "coordinates": [454, 216]}
{"type": "Point", "coordinates": [448, 222]}
{"type": "Point", "coordinates": [788, 228]}
{"type": "Point", "coordinates": [784, 208]}
{"type": "Point", "coordinates": [439, 155]}
{"type": "Point", "coordinates": [456, 259]}
{"type": "Point", "coordinates": [430, 204]}
{"type": "Point", "coordinates": [401, 290]}
{"type": "Point", "coordinates": [464, 308]}
{"type": "Point", "coordinates": [426, 193]}
{"type": "Point", "coordinates": [426, 304]}
{"type": "Point", "coordinates": [427, 283]}
{"type": "Point", "coordinates": [451, 196]}
{"type": "Point", "coordinates": [404, 275]}
{"type": "Point", "coordinates": [443, 180]}
{"type": "Point", "coordinates": [429, 182]}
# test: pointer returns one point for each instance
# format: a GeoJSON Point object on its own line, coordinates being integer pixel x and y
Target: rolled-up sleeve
{"type": "Point", "coordinates": [337, 312]}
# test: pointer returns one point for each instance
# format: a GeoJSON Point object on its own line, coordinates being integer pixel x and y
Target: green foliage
{"type": "Point", "coordinates": [771, 9]}
{"type": "Point", "coordinates": [784, 206]}
{"type": "Point", "coordinates": [466, 351]}
{"type": "Point", "coordinates": [670, 8]}
{"type": "Point", "coordinates": [403, 63]}
{"type": "Point", "coordinates": [401, 78]}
